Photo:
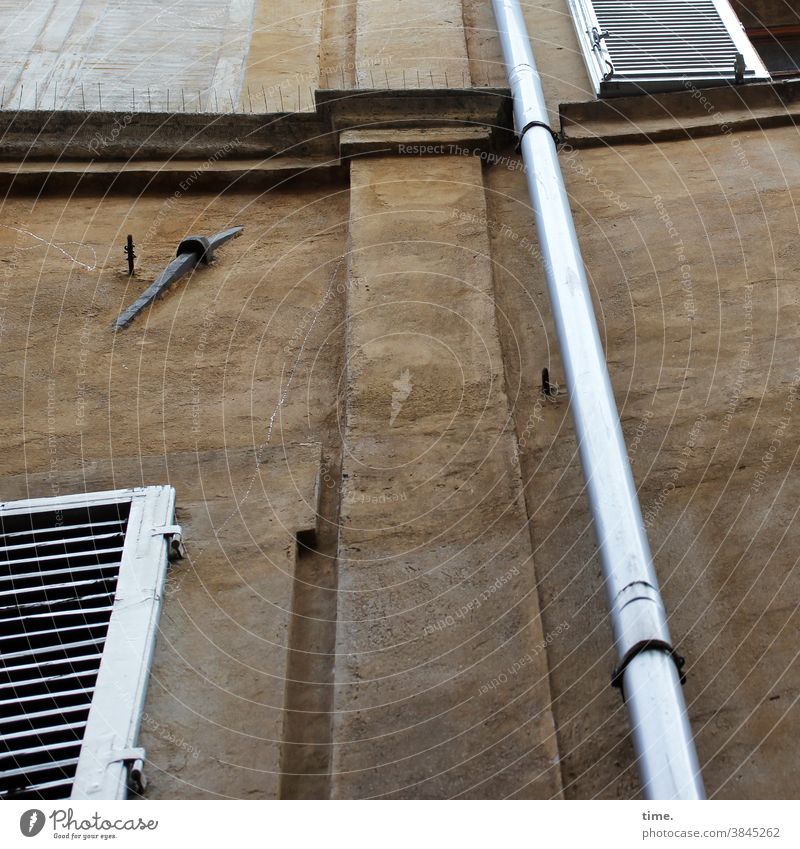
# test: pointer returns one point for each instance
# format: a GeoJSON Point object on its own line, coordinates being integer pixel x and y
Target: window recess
{"type": "Point", "coordinates": [779, 49]}
{"type": "Point", "coordinates": [635, 46]}
{"type": "Point", "coordinates": [81, 585]}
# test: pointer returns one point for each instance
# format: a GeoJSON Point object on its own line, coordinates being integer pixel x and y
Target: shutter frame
{"type": "Point", "coordinates": [601, 57]}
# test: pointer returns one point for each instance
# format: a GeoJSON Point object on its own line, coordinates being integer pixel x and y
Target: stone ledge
{"type": "Point", "coordinates": [123, 136]}
{"type": "Point", "coordinates": [432, 140]}
{"type": "Point", "coordinates": [680, 114]}
{"type": "Point", "coordinates": [138, 177]}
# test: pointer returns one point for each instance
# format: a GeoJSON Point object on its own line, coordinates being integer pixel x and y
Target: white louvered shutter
{"type": "Point", "coordinates": [81, 583]}
{"type": "Point", "coordinates": [659, 45]}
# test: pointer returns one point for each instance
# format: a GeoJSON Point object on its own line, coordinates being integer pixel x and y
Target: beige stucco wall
{"type": "Point", "coordinates": [195, 393]}
{"type": "Point", "coordinates": [704, 357]}
{"type": "Point", "coordinates": [554, 43]}
{"type": "Point", "coordinates": [255, 56]}
{"type": "Point", "coordinates": [365, 360]}
{"type": "Point", "coordinates": [85, 54]}
{"type": "Point", "coordinates": [437, 609]}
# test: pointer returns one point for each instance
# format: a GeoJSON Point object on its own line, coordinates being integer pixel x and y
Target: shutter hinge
{"type": "Point", "coordinates": [133, 759]}
{"type": "Point", "coordinates": [598, 36]}
{"type": "Point", "coordinates": [106, 755]}
{"type": "Point", "coordinates": [174, 535]}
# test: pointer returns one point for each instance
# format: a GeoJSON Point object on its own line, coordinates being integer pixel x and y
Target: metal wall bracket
{"type": "Point", "coordinates": [556, 136]}
{"type": "Point", "coordinates": [739, 68]}
{"type": "Point", "coordinates": [192, 251]}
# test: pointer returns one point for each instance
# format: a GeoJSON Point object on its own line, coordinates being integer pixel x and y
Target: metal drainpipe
{"type": "Point", "coordinates": [647, 671]}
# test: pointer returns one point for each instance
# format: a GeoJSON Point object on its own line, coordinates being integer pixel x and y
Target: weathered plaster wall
{"type": "Point", "coordinates": [203, 56]}
{"type": "Point", "coordinates": [424, 43]}
{"type": "Point", "coordinates": [375, 350]}
{"type": "Point", "coordinates": [437, 608]}
{"type": "Point", "coordinates": [697, 296]}
{"type": "Point", "coordinates": [283, 62]}
{"type": "Point", "coordinates": [554, 43]}
{"type": "Point", "coordinates": [88, 55]}
{"type": "Point", "coordinates": [227, 390]}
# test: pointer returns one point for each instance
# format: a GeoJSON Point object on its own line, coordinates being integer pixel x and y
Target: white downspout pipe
{"type": "Point", "coordinates": [648, 672]}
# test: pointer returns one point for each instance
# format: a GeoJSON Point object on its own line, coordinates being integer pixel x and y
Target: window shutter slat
{"type": "Point", "coordinates": [658, 45]}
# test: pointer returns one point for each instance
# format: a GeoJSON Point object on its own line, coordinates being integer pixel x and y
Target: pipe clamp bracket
{"type": "Point", "coordinates": [637, 649]}
{"type": "Point", "coordinates": [530, 125]}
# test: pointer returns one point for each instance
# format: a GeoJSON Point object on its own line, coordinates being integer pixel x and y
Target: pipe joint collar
{"type": "Point", "coordinates": [641, 625]}
{"type": "Point", "coordinates": [639, 616]}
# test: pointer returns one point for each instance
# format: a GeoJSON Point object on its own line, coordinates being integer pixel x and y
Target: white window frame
{"type": "Point", "coordinates": [598, 59]}
{"type": "Point", "coordinates": [108, 755]}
